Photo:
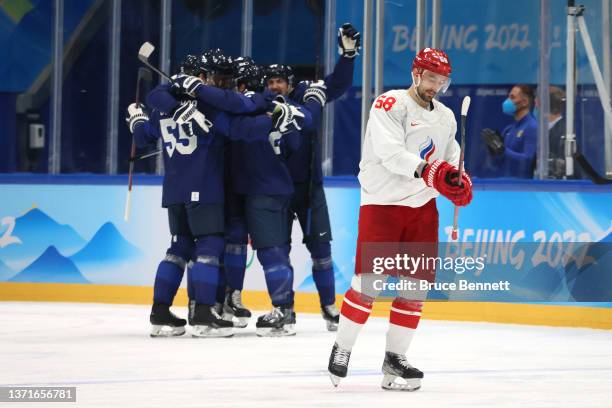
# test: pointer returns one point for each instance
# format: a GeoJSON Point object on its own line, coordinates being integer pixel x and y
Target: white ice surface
{"type": "Point", "coordinates": [105, 351]}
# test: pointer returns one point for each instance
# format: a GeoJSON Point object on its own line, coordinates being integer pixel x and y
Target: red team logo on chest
{"type": "Point", "coordinates": [427, 149]}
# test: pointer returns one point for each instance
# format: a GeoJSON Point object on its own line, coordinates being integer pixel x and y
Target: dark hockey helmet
{"type": "Point", "coordinates": [217, 62]}
{"type": "Point", "coordinates": [191, 65]}
{"type": "Point", "coordinates": [247, 73]}
{"type": "Point", "coordinates": [279, 71]}
{"type": "Point", "coordinates": [219, 67]}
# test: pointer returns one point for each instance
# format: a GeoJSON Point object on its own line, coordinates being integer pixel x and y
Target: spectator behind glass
{"type": "Point", "coordinates": [556, 132]}
{"type": "Point", "coordinates": [514, 150]}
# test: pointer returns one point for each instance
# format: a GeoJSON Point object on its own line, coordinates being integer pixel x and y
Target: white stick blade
{"type": "Point", "coordinates": [128, 204]}
{"type": "Point", "coordinates": [146, 50]}
{"type": "Point", "coordinates": [465, 105]}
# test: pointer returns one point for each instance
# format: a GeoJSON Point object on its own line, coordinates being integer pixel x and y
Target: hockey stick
{"type": "Point", "coordinates": [589, 170]}
{"type": "Point", "coordinates": [145, 51]}
{"type": "Point", "coordinates": [310, 185]}
{"type": "Point", "coordinates": [465, 105]}
{"type": "Point", "coordinates": [144, 75]}
{"type": "Point", "coordinates": [146, 155]}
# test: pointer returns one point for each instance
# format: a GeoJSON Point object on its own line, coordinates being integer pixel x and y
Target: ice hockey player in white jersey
{"type": "Point", "coordinates": [410, 157]}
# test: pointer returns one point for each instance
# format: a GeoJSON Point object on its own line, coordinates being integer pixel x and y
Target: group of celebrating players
{"type": "Point", "coordinates": [241, 159]}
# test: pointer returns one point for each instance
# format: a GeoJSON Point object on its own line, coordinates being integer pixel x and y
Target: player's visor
{"type": "Point", "coordinates": [439, 83]}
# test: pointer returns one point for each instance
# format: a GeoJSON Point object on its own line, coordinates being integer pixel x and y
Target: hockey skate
{"type": "Point", "coordinates": [338, 364]}
{"type": "Point", "coordinates": [218, 308]}
{"type": "Point", "coordinates": [207, 323]}
{"type": "Point", "coordinates": [279, 322]}
{"type": "Point", "coordinates": [164, 323]}
{"type": "Point", "coordinates": [331, 315]}
{"type": "Point", "coordinates": [398, 375]}
{"type": "Point", "coordinates": [234, 311]}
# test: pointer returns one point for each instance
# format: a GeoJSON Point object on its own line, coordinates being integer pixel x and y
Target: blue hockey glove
{"type": "Point", "coordinates": [135, 116]}
{"type": "Point", "coordinates": [316, 91]}
{"type": "Point", "coordinates": [187, 84]}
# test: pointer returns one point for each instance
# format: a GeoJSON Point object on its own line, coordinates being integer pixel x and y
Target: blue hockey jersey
{"type": "Point", "coordinates": [259, 168]}
{"type": "Point", "coordinates": [194, 162]}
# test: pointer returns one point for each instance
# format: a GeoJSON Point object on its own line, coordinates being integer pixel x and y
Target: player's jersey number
{"type": "Point", "coordinates": [384, 102]}
{"type": "Point", "coordinates": [175, 138]}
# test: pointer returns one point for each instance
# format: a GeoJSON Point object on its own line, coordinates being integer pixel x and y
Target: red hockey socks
{"type": "Point", "coordinates": [356, 309]}
{"type": "Point", "coordinates": [403, 321]}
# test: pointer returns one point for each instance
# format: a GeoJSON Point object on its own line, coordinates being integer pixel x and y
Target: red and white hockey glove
{"type": "Point", "coordinates": [444, 177]}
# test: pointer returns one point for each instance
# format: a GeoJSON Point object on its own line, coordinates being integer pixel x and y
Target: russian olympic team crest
{"type": "Point", "coordinates": [427, 149]}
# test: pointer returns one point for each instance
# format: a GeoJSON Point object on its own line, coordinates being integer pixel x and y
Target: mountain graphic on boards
{"type": "Point", "coordinates": [51, 266]}
{"type": "Point", "coordinates": [106, 247]}
{"type": "Point", "coordinates": [37, 231]}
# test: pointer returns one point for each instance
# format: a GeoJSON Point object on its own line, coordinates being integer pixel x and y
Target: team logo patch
{"type": "Point", "coordinates": [427, 149]}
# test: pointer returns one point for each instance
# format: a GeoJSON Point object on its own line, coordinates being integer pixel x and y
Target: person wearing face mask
{"type": "Point", "coordinates": [515, 148]}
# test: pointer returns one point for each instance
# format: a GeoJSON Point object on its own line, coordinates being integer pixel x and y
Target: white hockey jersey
{"type": "Point", "coordinates": [400, 134]}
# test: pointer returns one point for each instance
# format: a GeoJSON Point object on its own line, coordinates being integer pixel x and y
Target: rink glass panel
{"type": "Point", "coordinates": [26, 38]}
{"type": "Point", "coordinates": [85, 92]}
{"type": "Point", "coordinates": [140, 22]}
{"type": "Point", "coordinates": [492, 46]}
{"type": "Point", "coordinates": [199, 25]}
{"type": "Point", "coordinates": [589, 124]}
{"type": "Point", "coordinates": [290, 33]}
